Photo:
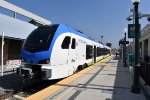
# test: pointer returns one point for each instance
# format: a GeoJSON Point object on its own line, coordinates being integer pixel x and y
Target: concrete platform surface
{"type": "Point", "coordinates": [108, 80]}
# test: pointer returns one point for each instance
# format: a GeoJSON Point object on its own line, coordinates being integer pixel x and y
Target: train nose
{"type": "Point", "coordinates": [32, 59]}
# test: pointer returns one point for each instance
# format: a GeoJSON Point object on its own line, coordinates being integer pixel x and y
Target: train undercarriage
{"type": "Point", "coordinates": [33, 71]}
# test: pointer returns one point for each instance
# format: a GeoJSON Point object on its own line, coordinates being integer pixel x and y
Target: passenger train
{"type": "Point", "coordinates": [58, 51]}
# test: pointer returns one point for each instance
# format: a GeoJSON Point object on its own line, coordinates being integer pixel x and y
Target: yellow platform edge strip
{"type": "Point", "coordinates": [43, 94]}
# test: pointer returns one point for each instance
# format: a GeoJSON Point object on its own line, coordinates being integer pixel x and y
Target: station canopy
{"type": "Point", "coordinates": [15, 28]}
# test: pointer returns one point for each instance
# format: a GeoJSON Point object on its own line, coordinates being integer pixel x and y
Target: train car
{"type": "Point", "coordinates": [57, 51]}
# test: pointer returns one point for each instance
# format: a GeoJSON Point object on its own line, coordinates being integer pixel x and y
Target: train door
{"type": "Point", "coordinates": [60, 55]}
{"type": "Point", "coordinates": [94, 54]}
{"type": "Point", "coordinates": [81, 52]}
{"type": "Point", "coordinates": [72, 57]}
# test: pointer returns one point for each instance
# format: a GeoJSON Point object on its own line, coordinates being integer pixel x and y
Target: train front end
{"type": "Point", "coordinates": [36, 52]}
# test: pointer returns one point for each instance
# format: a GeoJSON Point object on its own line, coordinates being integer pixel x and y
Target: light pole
{"type": "Point", "coordinates": [136, 86]}
{"type": "Point", "coordinates": [2, 54]}
{"type": "Point", "coordinates": [102, 39]}
{"type": "Point", "coordinates": [125, 49]}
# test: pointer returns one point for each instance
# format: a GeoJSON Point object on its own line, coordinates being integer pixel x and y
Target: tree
{"type": "Point", "coordinates": [109, 44]}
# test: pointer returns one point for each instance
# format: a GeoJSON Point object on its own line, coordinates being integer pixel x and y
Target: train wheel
{"type": "Point", "coordinates": [84, 66]}
{"type": "Point", "coordinates": [78, 69]}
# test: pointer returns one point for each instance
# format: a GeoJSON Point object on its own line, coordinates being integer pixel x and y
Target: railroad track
{"type": "Point", "coordinates": [26, 90]}
{"type": "Point", "coordinates": [4, 96]}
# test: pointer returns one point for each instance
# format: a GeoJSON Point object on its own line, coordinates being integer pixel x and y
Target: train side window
{"type": "Point", "coordinates": [66, 42]}
{"type": "Point", "coordinates": [98, 51]}
{"type": "Point", "coordinates": [73, 46]}
{"type": "Point", "coordinates": [89, 51]}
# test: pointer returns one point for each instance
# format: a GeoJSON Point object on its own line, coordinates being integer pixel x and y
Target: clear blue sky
{"type": "Point", "coordinates": [93, 17]}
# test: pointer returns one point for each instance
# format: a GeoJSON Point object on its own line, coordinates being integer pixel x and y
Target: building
{"type": "Point", "coordinates": [15, 31]}
{"type": "Point", "coordinates": [145, 41]}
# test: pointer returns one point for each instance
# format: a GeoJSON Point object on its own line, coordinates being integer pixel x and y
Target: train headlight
{"type": "Point", "coordinates": [23, 61]}
{"type": "Point", "coordinates": [45, 61]}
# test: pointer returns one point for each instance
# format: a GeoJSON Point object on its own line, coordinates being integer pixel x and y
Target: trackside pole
{"type": "Point", "coordinates": [2, 54]}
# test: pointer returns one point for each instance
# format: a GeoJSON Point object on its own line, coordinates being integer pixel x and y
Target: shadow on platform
{"type": "Point", "coordinates": [123, 79]}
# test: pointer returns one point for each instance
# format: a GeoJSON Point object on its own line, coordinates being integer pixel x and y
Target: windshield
{"type": "Point", "coordinates": [40, 39]}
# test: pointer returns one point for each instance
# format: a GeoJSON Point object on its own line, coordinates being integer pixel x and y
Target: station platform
{"type": "Point", "coordinates": [105, 80]}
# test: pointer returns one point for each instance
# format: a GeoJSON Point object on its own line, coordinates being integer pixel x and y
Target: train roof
{"type": "Point", "coordinates": [80, 34]}
{"type": "Point", "coordinates": [15, 28]}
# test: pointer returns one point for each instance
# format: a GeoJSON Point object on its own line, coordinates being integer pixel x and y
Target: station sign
{"type": "Point", "coordinates": [13, 63]}
{"type": "Point", "coordinates": [131, 30]}
{"type": "Point", "coordinates": [123, 42]}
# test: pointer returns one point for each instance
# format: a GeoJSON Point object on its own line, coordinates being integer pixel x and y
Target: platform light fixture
{"type": "Point", "coordinates": [136, 85]}
{"type": "Point", "coordinates": [133, 1]}
{"type": "Point", "coordinates": [135, 17]}
{"type": "Point", "coordinates": [124, 48]}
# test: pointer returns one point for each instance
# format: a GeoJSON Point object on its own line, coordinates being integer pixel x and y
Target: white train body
{"type": "Point", "coordinates": [67, 52]}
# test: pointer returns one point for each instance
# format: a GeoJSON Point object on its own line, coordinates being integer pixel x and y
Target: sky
{"type": "Point", "coordinates": [95, 18]}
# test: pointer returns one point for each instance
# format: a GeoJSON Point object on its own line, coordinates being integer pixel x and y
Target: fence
{"type": "Point", "coordinates": [145, 72]}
